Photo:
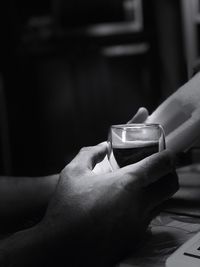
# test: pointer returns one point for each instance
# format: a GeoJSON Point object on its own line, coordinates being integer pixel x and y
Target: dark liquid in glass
{"type": "Point", "coordinates": [130, 155]}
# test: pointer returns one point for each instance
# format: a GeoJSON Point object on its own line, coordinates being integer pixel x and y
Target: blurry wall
{"type": "Point", "coordinates": [64, 89]}
{"type": "Point", "coordinates": [173, 73]}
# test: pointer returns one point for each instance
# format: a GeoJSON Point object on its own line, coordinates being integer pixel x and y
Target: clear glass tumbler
{"type": "Point", "coordinates": [130, 143]}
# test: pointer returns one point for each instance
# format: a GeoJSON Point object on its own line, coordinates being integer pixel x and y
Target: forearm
{"type": "Point", "coordinates": [24, 248]}
{"type": "Point", "coordinates": [24, 197]}
{"type": "Point", "coordinates": [40, 246]}
{"type": "Point", "coordinates": [187, 98]}
{"type": "Point", "coordinates": [43, 247]}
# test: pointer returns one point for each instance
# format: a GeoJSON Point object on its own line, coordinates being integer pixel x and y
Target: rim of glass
{"type": "Point", "coordinates": [136, 125]}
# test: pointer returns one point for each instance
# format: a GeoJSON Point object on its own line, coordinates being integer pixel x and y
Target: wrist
{"type": "Point", "coordinates": [52, 181]}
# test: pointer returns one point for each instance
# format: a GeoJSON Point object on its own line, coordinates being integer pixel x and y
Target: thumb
{"type": "Point", "coordinates": [140, 117]}
{"type": "Point", "coordinates": [88, 157]}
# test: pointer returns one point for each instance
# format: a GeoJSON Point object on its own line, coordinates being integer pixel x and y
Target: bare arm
{"type": "Point", "coordinates": [24, 198]}
{"type": "Point", "coordinates": [93, 216]}
{"type": "Point", "coordinates": [179, 115]}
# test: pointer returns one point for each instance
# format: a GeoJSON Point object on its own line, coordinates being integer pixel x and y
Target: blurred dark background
{"type": "Point", "coordinates": [70, 69]}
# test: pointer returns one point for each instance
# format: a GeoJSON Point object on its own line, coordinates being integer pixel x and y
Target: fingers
{"type": "Point", "coordinates": [140, 117]}
{"type": "Point", "coordinates": [148, 170]}
{"type": "Point", "coordinates": [102, 167]}
{"type": "Point", "coordinates": [88, 157]}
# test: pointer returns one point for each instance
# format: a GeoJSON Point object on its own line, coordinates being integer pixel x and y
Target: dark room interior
{"type": "Point", "coordinates": [74, 69]}
{"type": "Point", "coordinates": [99, 133]}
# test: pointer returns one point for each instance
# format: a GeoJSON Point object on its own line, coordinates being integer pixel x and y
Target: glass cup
{"type": "Point", "coordinates": [130, 143]}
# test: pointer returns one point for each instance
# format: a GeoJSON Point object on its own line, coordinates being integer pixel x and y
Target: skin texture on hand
{"type": "Point", "coordinates": [105, 216]}
{"type": "Point", "coordinates": [94, 219]}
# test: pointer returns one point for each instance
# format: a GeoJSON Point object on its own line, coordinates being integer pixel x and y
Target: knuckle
{"type": "Point", "coordinates": [73, 170]}
{"type": "Point", "coordinates": [124, 185]}
{"type": "Point", "coordinates": [68, 169]}
{"type": "Point", "coordinates": [85, 148]}
{"type": "Point", "coordinates": [94, 149]}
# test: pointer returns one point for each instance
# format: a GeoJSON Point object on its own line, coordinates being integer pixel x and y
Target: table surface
{"type": "Point", "coordinates": [174, 226]}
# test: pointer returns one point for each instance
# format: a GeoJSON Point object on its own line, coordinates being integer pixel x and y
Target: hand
{"type": "Point", "coordinates": [98, 218]}
{"type": "Point", "coordinates": [141, 116]}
